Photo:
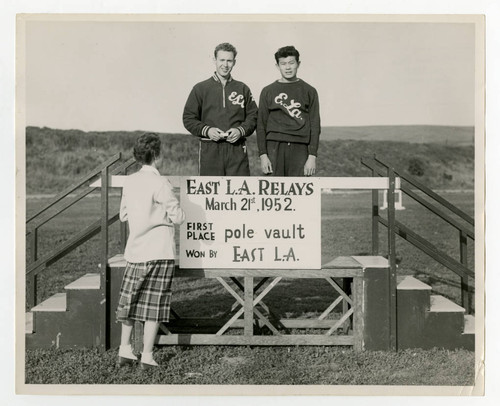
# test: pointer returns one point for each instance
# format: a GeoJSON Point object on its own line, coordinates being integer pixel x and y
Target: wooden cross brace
{"type": "Point", "coordinates": [244, 302]}
{"type": "Point", "coordinates": [251, 298]}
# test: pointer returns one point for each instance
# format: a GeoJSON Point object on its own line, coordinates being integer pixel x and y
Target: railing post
{"type": "Point", "coordinates": [104, 302]}
{"type": "Point", "coordinates": [32, 282]}
{"type": "Point", "coordinates": [34, 244]}
{"type": "Point", "coordinates": [31, 294]}
{"type": "Point", "coordinates": [123, 226]}
{"type": "Point", "coordinates": [391, 220]}
{"type": "Point", "coordinates": [466, 299]}
{"type": "Point", "coordinates": [375, 220]}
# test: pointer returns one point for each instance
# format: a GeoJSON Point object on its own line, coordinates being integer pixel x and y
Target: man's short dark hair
{"type": "Point", "coordinates": [147, 148]}
{"type": "Point", "coordinates": [225, 46]}
{"type": "Point", "coordinates": [285, 52]}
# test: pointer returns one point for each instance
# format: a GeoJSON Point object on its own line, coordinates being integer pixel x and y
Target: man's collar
{"type": "Point", "coordinates": [217, 79]}
{"type": "Point", "coordinates": [149, 168]}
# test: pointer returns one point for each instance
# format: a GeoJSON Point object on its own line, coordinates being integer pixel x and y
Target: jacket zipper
{"type": "Point", "coordinates": [223, 96]}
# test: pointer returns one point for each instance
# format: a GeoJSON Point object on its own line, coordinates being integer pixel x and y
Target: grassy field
{"type": "Point", "coordinates": [57, 158]}
{"type": "Point", "coordinates": [215, 365]}
{"type": "Point", "coordinates": [415, 134]}
{"type": "Point", "coordinates": [345, 231]}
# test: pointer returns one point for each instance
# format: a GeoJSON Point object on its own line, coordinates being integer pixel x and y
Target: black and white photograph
{"type": "Point", "coordinates": [241, 204]}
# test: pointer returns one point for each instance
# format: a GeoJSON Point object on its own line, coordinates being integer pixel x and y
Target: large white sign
{"type": "Point", "coordinates": [238, 222]}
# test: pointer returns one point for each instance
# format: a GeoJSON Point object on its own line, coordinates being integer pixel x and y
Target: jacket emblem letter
{"type": "Point", "coordinates": [292, 108]}
{"type": "Point", "coordinates": [238, 99]}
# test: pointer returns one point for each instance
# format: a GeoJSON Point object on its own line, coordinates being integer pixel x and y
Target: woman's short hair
{"type": "Point", "coordinates": [225, 46]}
{"type": "Point", "coordinates": [147, 148]}
{"type": "Point", "coordinates": [285, 52]}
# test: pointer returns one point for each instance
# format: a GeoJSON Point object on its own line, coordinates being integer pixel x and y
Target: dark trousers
{"type": "Point", "coordinates": [223, 159]}
{"type": "Point", "coordinates": [287, 158]}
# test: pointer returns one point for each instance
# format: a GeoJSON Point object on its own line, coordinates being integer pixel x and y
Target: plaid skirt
{"type": "Point", "coordinates": [146, 291]}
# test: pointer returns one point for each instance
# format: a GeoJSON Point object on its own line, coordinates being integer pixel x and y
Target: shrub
{"type": "Point", "coordinates": [416, 167]}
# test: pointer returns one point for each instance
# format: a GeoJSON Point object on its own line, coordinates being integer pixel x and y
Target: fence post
{"type": "Point", "coordinates": [391, 219]}
{"type": "Point", "coordinates": [104, 327]}
{"type": "Point", "coordinates": [464, 279]}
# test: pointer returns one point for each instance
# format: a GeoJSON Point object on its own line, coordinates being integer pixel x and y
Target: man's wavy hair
{"type": "Point", "coordinates": [147, 148]}
{"type": "Point", "coordinates": [225, 46]}
{"type": "Point", "coordinates": [285, 52]}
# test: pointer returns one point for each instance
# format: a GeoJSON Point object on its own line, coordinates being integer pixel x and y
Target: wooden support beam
{"type": "Point", "coordinates": [339, 290]}
{"type": "Point", "coordinates": [340, 322]}
{"type": "Point", "coordinates": [192, 324]}
{"type": "Point", "coordinates": [266, 321]}
{"type": "Point", "coordinates": [266, 290]}
{"type": "Point", "coordinates": [236, 316]}
{"type": "Point", "coordinates": [358, 315]}
{"type": "Point", "coordinates": [231, 290]}
{"type": "Point", "coordinates": [248, 306]}
{"type": "Point", "coordinates": [164, 329]}
{"type": "Point", "coordinates": [330, 308]}
{"type": "Point", "coordinates": [298, 339]}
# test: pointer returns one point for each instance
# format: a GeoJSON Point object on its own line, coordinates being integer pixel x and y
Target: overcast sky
{"type": "Point", "coordinates": [137, 75]}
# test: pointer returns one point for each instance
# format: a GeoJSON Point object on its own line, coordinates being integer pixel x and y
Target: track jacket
{"type": "Point", "coordinates": [210, 104]}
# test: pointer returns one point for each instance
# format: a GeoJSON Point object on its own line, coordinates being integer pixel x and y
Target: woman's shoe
{"type": "Point", "coordinates": [123, 362]}
{"type": "Point", "coordinates": [148, 366]}
{"type": "Point", "coordinates": [147, 361]}
{"type": "Point", "coordinates": [125, 356]}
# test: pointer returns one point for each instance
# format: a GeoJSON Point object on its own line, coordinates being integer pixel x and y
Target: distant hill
{"type": "Point", "coordinates": [421, 134]}
{"type": "Point", "coordinates": [57, 158]}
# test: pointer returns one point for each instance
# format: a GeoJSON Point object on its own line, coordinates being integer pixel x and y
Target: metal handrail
{"type": "Point", "coordinates": [80, 196]}
{"type": "Point", "coordinates": [414, 182]}
{"type": "Point", "coordinates": [424, 245]}
{"type": "Point", "coordinates": [450, 220]}
{"type": "Point", "coordinates": [75, 186]}
{"type": "Point", "coordinates": [69, 245]}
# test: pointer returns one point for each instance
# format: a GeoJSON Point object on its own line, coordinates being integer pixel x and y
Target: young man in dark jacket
{"type": "Point", "coordinates": [222, 112]}
{"type": "Point", "coordinates": [288, 124]}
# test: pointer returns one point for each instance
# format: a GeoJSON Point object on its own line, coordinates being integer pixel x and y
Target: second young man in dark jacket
{"type": "Point", "coordinates": [288, 124]}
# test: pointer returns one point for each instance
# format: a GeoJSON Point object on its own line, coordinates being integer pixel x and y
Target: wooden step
{"type": "Point", "coordinates": [55, 303]}
{"type": "Point", "coordinates": [468, 339]}
{"type": "Point", "coordinates": [413, 298]}
{"type": "Point", "coordinates": [28, 323]}
{"type": "Point", "coordinates": [444, 324]}
{"type": "Point", "coordinates": [90, 281]}
{"type": "Point", "coordinates": [117, 261]}
{"type": "Point", "coordinates": [469, 324]}
{"type": "Point", "coordinates": [442, 305]}
{"type": "Point", "coordinates": [372, 261]}
{"type": "Point", "coordinates": [411, 283]}
{"type": "Point", "coordinates": [42, 326]}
